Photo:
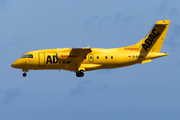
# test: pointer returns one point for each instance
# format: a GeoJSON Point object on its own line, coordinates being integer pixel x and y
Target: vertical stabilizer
{"type": "Point", "coordinates": [155, 38]}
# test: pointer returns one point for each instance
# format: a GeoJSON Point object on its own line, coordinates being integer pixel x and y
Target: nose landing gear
{"type": "Point", "coordinates": [24, 74]}
{"type": "Point", "coordinates": [79, 74]}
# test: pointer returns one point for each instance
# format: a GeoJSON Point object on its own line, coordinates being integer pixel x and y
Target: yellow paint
{"type": "Point", "coordinates": [87, 59]}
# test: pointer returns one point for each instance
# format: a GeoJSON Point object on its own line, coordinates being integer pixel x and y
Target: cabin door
{"type": "Point", "coordinates": [41, 59]}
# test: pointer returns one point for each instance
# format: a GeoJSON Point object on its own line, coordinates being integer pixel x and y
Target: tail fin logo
{"type": "Point", "coordinates": [149, 41]}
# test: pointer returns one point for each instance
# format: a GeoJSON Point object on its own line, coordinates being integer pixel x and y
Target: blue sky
{"type": "Point", "coordinates": [138, 92]}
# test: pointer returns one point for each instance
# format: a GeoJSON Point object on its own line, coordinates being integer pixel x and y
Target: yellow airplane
{"type": "Point", "coordinates": [80, 60]}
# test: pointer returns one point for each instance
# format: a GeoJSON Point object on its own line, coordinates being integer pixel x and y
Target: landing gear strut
{"type": "Point", "coordinates": [24, 74]}
{"type": "Point", "coordinates": [79, 74]}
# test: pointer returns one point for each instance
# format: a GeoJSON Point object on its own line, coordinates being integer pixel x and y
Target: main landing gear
{"type": "Point", "coordinates": [80, 73]}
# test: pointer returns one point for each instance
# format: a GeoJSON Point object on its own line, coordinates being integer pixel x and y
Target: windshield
{"type": "Point", "coordinates": [27, 56]}
{"type": "Point", "coordinates": [30, 56]}
{"type": "Point", "coordinates": [24, 56]}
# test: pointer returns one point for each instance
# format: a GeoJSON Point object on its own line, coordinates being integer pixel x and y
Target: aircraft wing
{"type": "Point", "coordinates": [81, 50]}
{"type": "Point", "coordinates": [75, 50]}
{"type": "Point", "coordinates": [75, 54]}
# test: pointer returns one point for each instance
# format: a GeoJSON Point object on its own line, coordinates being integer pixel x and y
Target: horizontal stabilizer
{"type": "Point", "coordinates": [146, 61]}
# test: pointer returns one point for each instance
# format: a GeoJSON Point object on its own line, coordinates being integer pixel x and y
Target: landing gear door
{"type": "Point", "coordinates": [41, 59]}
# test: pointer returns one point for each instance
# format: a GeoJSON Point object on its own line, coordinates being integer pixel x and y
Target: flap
{"type": "Point", "coordinates": [88, 66]}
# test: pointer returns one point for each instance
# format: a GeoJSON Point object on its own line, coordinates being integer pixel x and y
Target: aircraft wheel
{"type": "Point", "coordinates": [79, 74]}
{"type": "Point", "coordinates": [24, 74]}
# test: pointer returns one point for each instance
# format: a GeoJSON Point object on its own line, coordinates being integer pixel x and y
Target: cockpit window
{"type": "Point", "coordinates": [30, 56]}
{"type": "Point", "coordinates": [24, 56]}
{"type": "Point", "coordinates": [27, 56]}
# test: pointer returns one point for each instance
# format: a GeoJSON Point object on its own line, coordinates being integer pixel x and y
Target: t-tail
{"type": "Point", "coordinates": [150, 46]}
{"type": "Point", "coordinates": [155, 38]}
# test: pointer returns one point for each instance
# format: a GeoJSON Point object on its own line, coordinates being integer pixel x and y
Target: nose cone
{"type": "Point", "coordinates": [18, 64]}
{"type": "Point", "coordinates": [13, 65]}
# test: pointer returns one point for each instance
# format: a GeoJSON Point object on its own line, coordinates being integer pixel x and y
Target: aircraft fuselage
{"type": "Point", "coordinates": [80, 60]}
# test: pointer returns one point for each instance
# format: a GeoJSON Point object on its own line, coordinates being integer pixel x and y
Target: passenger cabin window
{"type": "Point", "coordinates": [30, 56]}
{"type": "Point", "coordinates": [97, 57]}
{"type": "Point", "coordinates": [24, 56]}
{"type": "Point", "coordinates": [111, 57]}
{"type": "Point", "coordinates": [106, 57]}
{"type": "Point", "coordinates": [91, 57]}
